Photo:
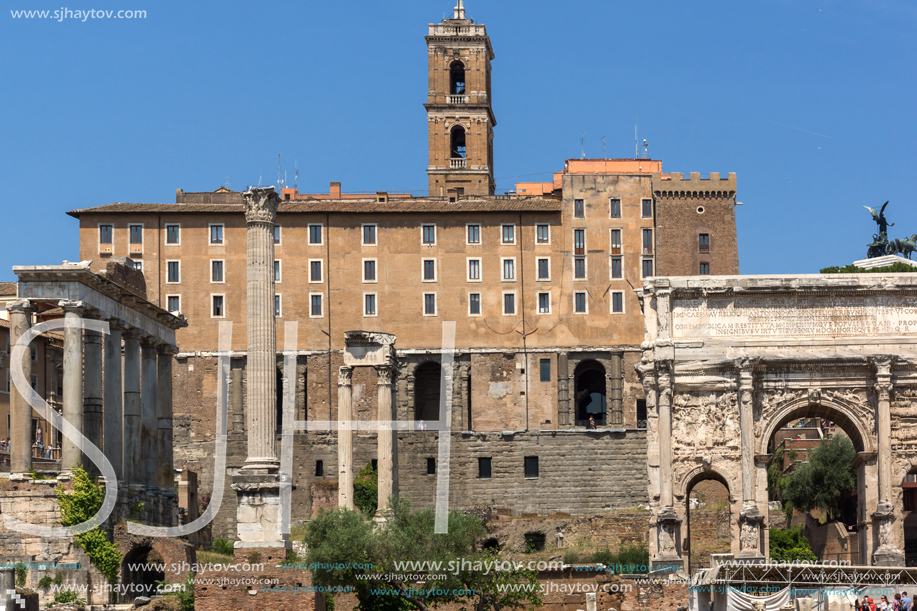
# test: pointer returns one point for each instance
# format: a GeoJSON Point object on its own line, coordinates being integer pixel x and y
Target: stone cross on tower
{"type": "Point", "coordinates": [459, 11]}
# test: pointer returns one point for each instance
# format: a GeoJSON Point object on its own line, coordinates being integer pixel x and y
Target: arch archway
{"type": "Point", "coordinates": [708, 517]}
{"type": "Point", "coordinates": [843, 415]}
{"type": "Point", "coordinates": [457, 148]}
{"type": "Point", "coordinates": [138, 575]}
{"type": "Point", "coordinates": [427, 379]}
{"type": "Point", "coordinates": [591, 394]}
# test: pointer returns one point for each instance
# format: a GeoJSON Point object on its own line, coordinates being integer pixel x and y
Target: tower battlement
{"type": "Point", "coordinates": [674, 184]}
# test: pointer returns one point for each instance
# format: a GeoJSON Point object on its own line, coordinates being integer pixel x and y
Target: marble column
{"type": "Point", "coordinates": [261, 367]}
{"type": "Point", "coordinates": [387, 444]}
{"type": "Point", "coordinates": [258, 509]}
{"type": "Point", "coordinates": [563, 396]}
{"type": "Point", "coordinates": [113, 408]}
{"type": "Point", "coordinates": [165, 472]}
{"type": "Point", "coordinates": [131, 444]}
{"type": "Point", "coordinates": [887, 554]}
{"type": "Point", "coordinates": [20, 411]}
{"type": "Point", "coordinates": [345, 437]}
{"type": "Point", "coordinates": [149, 425]}
{"type": "Point", "coordinates": [667, 521]}
{"type": "Point", "coordinates": [71, 452]}
{"type": "Point", "coordinates": [92, 393]}
{"type": "Point", "coordinates": [617, 391]}
{"type": "Point", "coordinates": [751, 519]}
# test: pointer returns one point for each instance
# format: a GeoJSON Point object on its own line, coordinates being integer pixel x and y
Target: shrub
{"type": "Point", "coordinates": [366, 490]}
{"type": "Point", "coordinates": [22, 573]}
{"type": "Point", "coordinates": [571, 557]}
{"type": "Point", "coordinates": [789, 545]}
{"type": "Point", "coordinates": [222, 546]}
{"type": "Point", "coordinates": [68, 596]}
{"type": "Point", "coordinates": [895, 268]}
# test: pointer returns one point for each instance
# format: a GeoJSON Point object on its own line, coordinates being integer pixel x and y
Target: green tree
{"type": "Point", "coordinates": [343, 539]}
{"type": "Point", "coordinates": [366, 490]}
{"type": "Point", "coordinates": [76, 507]}
{"type": "Point", "coordinates": [825, 480]}
{"type": "Point", "coordinates": [895, 268]}
{"type": "Point", "coordinates": [776, 482]}
{"type": "Point", "coordinates": [789, 545]}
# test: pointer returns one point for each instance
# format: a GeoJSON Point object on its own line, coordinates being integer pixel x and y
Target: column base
{"type": "Point", "coordinates": [887, 554]}
{"type": "Point", "coordinates": [258, 512]}
{"type": "Point", "coordinates": [888, 557]}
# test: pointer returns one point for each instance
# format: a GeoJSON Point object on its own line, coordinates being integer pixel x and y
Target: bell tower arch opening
{"type": "Point", "coordinates": [457, 78]}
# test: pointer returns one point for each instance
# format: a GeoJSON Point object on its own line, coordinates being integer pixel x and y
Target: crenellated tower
{"type": "Point", "coordinates": [459, 112]}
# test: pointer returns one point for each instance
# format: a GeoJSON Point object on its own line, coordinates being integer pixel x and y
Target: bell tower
{"type": "Point", "coordinates": [459, 113]}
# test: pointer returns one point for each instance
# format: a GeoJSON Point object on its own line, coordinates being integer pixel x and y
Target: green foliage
{"type": "Point", "coordinates": [37, 476]}
{"type": "Point", "coordinates": [45, 582]}
{"type": "Point", "coordinates": [67, 596]}
{"type": "Point", "coordinates": [895, 268]}
{"type": "Point", "coordinates": [186, 596]}
{"type": "Point", "coordinates": [631, 559]}
{"type": "Point", "coordinates": [366, 490]}
{"type": "Point", "coordinates": [775, 480]}
{"type": "Point", "coordinates": [571, 557]}
{"type": "Point", "coordinates": [789, 545]}
{"type": "Point", "coordinates": [137, 509]}
{"type": "Point", "coordinates": [22, 573]}
{"type": "Point", "coordinates": [344, 539]}
{"type": "Point", "coordinates": [825, 480]}
{"type": "Point", "coordinates": [77, 507]}
{"type": "Point", "coordinates": [222, 546]}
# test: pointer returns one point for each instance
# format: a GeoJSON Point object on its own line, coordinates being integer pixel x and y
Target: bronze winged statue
{"type": "Point", "coordinates": [879, 218]}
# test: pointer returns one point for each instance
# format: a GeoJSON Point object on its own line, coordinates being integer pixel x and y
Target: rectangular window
{"type": "Point", "coordinates": [474, 304]}
{"type": "Point", "coordinates": [579, 303]}
{"type": "Point", "coordinates": [216, 234]}
{"type": "Point", "coordinates": [428, 234]}
{"type": "Point", "coordinates": [703, 243]}
{"type": "Point", "coordinates": [544, 269]}
{"type": "Point", "coordinates": [216, 271]}
{"type": "Point", "coordinates": [315, 305]}
{"type": "Point", "coordinates": [617, 302]}
{"type": "Point", "coordinates": [509, 234]}
{"type": "Point", "coordinates": [277, 274]}
{"type": "Point", "coordinates": [483, 468]}
{"type": "Point", "coordinates": [616, 267]}
{"type": "Point", "coordinates": [369, 270]}
{"type": "Point", "coordinates": [647, 208]}
{"type": "Point", "coordinates": [173, 272]}
{"type": "Point", "coordinates": [276, 234]}
{"type": "Point", "coordinates": [704, 269]}
{"type": "Point", "coordinates": [579, 209]}
{"type": "Point", "coordinates": [579, 268]}
{"type": "Point", "coordinates": [369, 304]}
{"type": "Point", "coordinates": [429, 270]}
{"type": "Point", "coordinates": [543, 234]}
{"type": "Point", "coordinates": [647, 241]}
{"type": "Point", "coordinates": [509, 269]}
{"type": "Point", "coordinates": [431, 466]}
{"type": "Point", "coordinates": [173, 303]}
{"type": "Point", "coordinates": [319, 468]}
{"type": "Point", "coordinates": [474, 234]}
{"type": "Point", "coordinates": [138, 265]}
{"type": "Point", "coordinates": [105, 233]}
{"type": "Point", "coordinates": [315, 235]}
{"type": "Point", "coordinates": [616, 241]}
{"type": "Point", "coordinates": [369, 235]}
{"type": "Point", "coordinates": [579, 241]}
{"type": "Point", "coordinates": [509, 303]}
{"type": "Point", "coordinates": [136, 234]}
{"type": "Point", "coordinates": [531, 466]}
{"type": "Point", "coordinates": [544, 366]}
{"type": "Point", "coordinates": [218, 309]}
{"type": "Point", "coordinates": [544, 303]}
{"type": "Point", "coordinates": [173, 234]}
{"type": "Point", "coordinates": [474, 270]}
{"type": "Point", "coordinates": [315, 271]}
{"type": "Point", "coordinates": [277, 312]}
{"type": "Point", "coordinates": [429, 304]}
{"type": "Point", "coordinates": [615, 205]}
{"type": "Point", "coordinates": [647, 268]}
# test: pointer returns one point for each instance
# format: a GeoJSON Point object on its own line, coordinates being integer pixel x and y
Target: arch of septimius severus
{"type": "Point", "coordinates": [730, 360]}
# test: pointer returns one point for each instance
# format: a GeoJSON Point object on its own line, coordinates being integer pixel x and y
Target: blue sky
{"type": "Point", "coordinates": [810, 102]}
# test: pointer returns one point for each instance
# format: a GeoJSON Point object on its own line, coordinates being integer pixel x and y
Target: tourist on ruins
{"type": "Point", "coordinates": [897, 605]}
{"type": "Point", "coordinates": [905, 602]}
{"type": "Point", "coordinates": [591, 422]}
{"type": "Point", "coordinates": [884, 605]}
{"type": "Point", "coordinates": [421, 426]}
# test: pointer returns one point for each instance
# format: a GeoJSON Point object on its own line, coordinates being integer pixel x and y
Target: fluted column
{"type": "Point", "coordinates": [387, 445]}
{"type": "Point", "coordinates": [92, 393]}
{"type": "Point", "coordinates": [149, 424]}
{"type": "Point", "coordinates": [114, 400]}
{"type": "Point", "coordinates": [751, 520]}
{"type": "Point", "coordinates": [165, 471]}
{"type": "Point", "coordinates": [887, 553]}
{"type": "Point", "coordinates": [345, 437]}
{"type": "Point", "coordinates": [20, 411]}
{"type": "Point", "coordinates": [131, 445]}
{"type": "Point", "coordinates": [260, 215]}
{"type": "Point", "coordinates": [667, 521]}
{"type": "Point", "coordinates": [71, 452]}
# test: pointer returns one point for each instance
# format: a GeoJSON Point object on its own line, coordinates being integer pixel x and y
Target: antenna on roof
{"type": "Point", "coordinates": [227, 182]}
{"type": "Point", "coordinates": [636, 143]}
{"type": "Point", "coordinates": [295, 176]}
{"type": "Point", "coordinates": [645, 148]}
{"type": "Point", "coordinates": [281, 175]}
{"type": "Point", "coordinates": [582, 142]}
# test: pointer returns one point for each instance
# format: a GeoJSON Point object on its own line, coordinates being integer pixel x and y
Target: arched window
{"type": "Point", "coordinates": [458, 142]}
{"type": "Point", "coordinates": [426, 391]}
{"type": "Point", "coordinates": [590, 393]}
{"type": "Point", "coordinates": [457, 78]}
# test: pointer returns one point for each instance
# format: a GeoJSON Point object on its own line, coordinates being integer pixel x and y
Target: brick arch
{"type": "Point", "coordinates": [699, 474]}
{"type": "Point", "coordinates": [843, 413]}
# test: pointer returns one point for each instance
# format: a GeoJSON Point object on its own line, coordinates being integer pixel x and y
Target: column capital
{"type": "Point", "coordinates": [345, 376]}
{"type": "Point", "coordinates": [130, 332]}
{"type": "Point", "coordinates": [70, 305]}
{"type": "Point", "coordinates": [385, 375]}
{"type": "Point", "coordinates": [883, 364]}
{"type": "Point", "coordinates": [164, 348]}
{"type": "Point", "coordinates": [20, 305]}
{"type": "Point", "coordinates": [261, 205]}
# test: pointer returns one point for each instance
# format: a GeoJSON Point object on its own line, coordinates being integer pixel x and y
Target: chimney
{"type": "Point", "coordinates": [336, 189]}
